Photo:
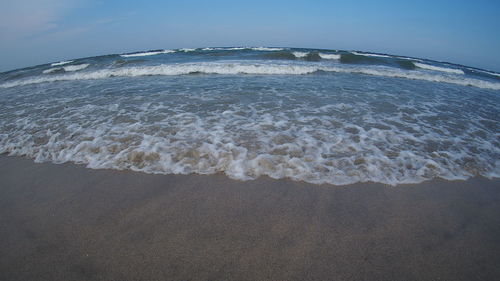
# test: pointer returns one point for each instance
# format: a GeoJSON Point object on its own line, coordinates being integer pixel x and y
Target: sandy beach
{"type": "Point", "coordinates": [67, 222]}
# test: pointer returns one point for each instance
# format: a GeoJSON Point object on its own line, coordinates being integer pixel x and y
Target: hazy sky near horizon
{"type": "Point", "coordinates": [40, 31]}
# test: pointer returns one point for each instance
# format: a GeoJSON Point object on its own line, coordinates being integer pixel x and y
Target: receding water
{"type": "Point", "coordinates": [252, 112]}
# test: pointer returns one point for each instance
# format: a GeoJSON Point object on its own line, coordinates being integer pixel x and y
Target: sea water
{"type": "Point", "coordinates": [319, 116]}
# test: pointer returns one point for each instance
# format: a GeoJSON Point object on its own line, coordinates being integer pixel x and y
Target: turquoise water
{"type": "Point", "coordinates": [320, 116]}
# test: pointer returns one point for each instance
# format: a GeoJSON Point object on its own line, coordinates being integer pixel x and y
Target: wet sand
{"type": "Point", "coordinates": [67, 222]}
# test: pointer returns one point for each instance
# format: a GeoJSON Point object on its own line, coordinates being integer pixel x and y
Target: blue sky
{"type": "Point", "coordinates": [40, 31]}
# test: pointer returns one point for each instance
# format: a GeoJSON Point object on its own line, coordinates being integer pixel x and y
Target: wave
{"type": "Point", "coordinates": [231, 68]}
{"type": "Point", "coordinates": [332, 142]}
{"type": "Point", "coordinates": [475, 70]}
{"type": "Point", "coordinates": [186, 50]}
{"type": "Point", "coordinates": [266, 49]}
{"type": "Point", "coordinates": [351, 58]}
{"type": "Point", "coordinates": [53, 70]}
{"type": "Point", "coordinates": [76, 67]}
{"type": "Point", "coordinates": [437, 68]}
{"type": "Point", "coordinates": [225, 49]}
{"type": "Point", "coordinates": [329, 56]}
{"type": "Point", "coordinates": [68, 68]}
{"type": "Point", "coordinates": [491, 73]}
{"type": "Point", "coordinates": [300, 54]}
{"type": "Point", "coordinates": [371, 55]}
{"type": "Point", "coordinates": [148, 53]}
{"type": "Point", "coordinates": [61, 63]}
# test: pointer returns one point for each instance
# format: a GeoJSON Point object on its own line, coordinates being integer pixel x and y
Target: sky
{"type": "Point", "coordinates": [41, 31]}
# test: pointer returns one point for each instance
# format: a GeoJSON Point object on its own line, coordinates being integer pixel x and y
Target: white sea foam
{"type": "Point", "coordinates": [256, 68]}
{"type": "Point", "coordinates": [437, 68]}
{"type": "Point", "coordinates": [408, 58]}
{"type": "Point", "coordinates": [266, 49]}
{"type": "Point", "coordinates": [76, 67]}
{"type": "Point", "coordinates": [329, 56]}
{"type": "Point", "coordinates": [370, 55]}
{"type": "Point", "coordinates": [186, 50]}
{"type": "Point", "coordinates": [143, 54]}
{"type": "Point", "coordinates": [301, 141]}
{"type": "Point", "coordinates": [300, 54]}
{"type": "Point", "coordinates": [307, 131]}
{"type": "Point", "coordinates": [224, 49]}
{"type": "Point", "coordinates": [68, 68]}
{"type": "Point", "coordinates": [61, 63]}
{"type": "Point", "coordinates": [51, 70]}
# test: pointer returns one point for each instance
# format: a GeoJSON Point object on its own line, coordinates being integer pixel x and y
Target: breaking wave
{"type": "Point", "coordinates": [231, 68]}
{"type": "Point", "coordinates": [68, 68]}
{"type": "Point", "coordinates": [148, 53]}
{"type": "Point", "coordinates": [371, 55]}
{"type": "Point", "coordinates": [266, 49]}
{"type": "Point", "coordinates": [329, 56]}
{"type": "Point", "coordinates": [437, 68]}
{"type": "Point", "coordinates": [320, 116]}
{"type": "Point", "coordinates": [61, 63]}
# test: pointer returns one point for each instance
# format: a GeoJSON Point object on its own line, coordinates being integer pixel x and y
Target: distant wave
{"type": "Point", "coordinates": [148, 53]}
{"type": "Point", "coordinates": [224, 49]}
{"type": "Point", "coordinates": [437, 68]}
{"type": "Point", "coordinates": [300, 54]}
{"type": "Point", "coordinates": [67, 68]}
{"type": "Point", "coordinates": [228, 68]}
{"type": "Point", "coordinates": [329, 56]}
{"type": "Point", "coordinates": [370, 55]}
{"type": "Point", "coordinates": [61, 63]}
{"type": "Point", "coordinates": [483, 71]}
{"type": "Point", "coordinates": [188, 50]}
{"type": "Point", "coordinates": [266, 49]}
{"type": "Point", "coordinates": [321, 55]}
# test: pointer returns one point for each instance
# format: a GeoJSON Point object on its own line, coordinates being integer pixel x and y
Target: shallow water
{"type": "Point", "coordinates": [303, 114]}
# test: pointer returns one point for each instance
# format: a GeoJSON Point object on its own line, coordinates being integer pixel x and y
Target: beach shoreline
{"type": "Point", "coordinates": [68, 222]}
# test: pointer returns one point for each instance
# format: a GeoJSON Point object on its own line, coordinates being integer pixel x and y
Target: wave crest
{"type": "Point", "coordinates": [148, 53]}
{"type": "Point", "coordinates": [232, 68]}
{"type": "Point", "coordinates": [437, 68]}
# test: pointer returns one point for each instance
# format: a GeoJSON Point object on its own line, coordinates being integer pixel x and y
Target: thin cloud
{"type": "Point", "coordinates": [19, 18]}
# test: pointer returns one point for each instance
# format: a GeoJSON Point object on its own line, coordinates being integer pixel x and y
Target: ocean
{"type": "Point", "coordinates": [319, 116]}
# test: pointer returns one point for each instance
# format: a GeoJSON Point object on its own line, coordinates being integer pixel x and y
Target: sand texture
{"type": "Point", "coordinates": [67, 222]}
